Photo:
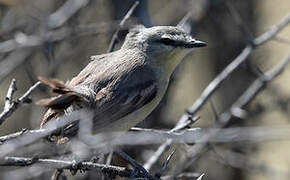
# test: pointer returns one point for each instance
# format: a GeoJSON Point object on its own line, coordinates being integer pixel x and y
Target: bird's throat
{"type": "Point", "coordinates": [173, 59]}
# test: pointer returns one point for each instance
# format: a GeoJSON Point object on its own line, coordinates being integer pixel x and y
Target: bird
{"type": "Point", "coordinates": [123, 87]}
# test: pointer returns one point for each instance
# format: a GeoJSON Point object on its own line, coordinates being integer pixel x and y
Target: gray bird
{"type": "Point", "coordinates": [123, 87]}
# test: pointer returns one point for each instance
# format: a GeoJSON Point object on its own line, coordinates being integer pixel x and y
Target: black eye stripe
{"type": "Point", "coordinates": [170, 42]}
{"type": "Point", "coordinates": [167, 41]}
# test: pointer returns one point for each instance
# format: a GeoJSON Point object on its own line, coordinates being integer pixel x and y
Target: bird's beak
{"type": "Point", "coordinates": [197, 43]}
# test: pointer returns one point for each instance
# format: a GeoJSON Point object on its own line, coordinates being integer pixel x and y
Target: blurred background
{"type": "Point", "coordinates": [55, 38]}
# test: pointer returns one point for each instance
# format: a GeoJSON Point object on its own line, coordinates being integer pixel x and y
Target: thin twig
{"type": "Point", "coordinates": [122, 23]}
{"type": "Point", "coordinates": [165, 164]}
{"type": "Point", "coordinates": [189, 136]}
{"type": "Point", "coordinates": [18, 140]}
{"type": "Point", "coordinates": [9, 97]}
{"type": "Point", "coordinates": [225, 117]}
{"type": "Point", "coordinates": [57, 35]}
{"type": "Point", "coordinates": [165, 146]}
{"type": "Point", "coordinates": [57, 174]}
{"type": "Point", "coordinates": [12, 136]}
{"type": "Point", "coordinates": [200, 177]}
{"type": "Point", "coordinates": [140, 170]}
{"type": "Point", "coordinates": [238, 19]}
{"type": "Point", "coordinates": [220, 78]}
{"type": "Point", "coordinates": [65, 164]}
{"type": "Point", "coordinates": [271, 33]}
{"type": "Point", "coordinates": [15, 104]}
{"type": "Point", "coordinates": [182, 176]}
{"type": "Point", "coordinates": [214, 109]}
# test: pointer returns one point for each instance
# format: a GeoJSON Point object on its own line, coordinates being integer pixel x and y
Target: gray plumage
{"type": "Point", "coordinates": [123, 87]}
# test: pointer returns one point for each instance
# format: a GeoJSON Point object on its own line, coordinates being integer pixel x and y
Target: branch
{"type": "Point", "coordinates": [21, 139]}
{"type": "Point", "coordinates": [165, 146]}
{"type": "Point", "coordinates": [257, 86]}
{"type": "Point", "coordinates": [14, 105]}
{"type": "Point", "coordinates": [220, 78]}
{"type": "Point", "coordinates": [138, 167]}
{"type": "Point", "coordinates": [70, 165]}
{"type": "Point", "coordinates": [22, 40]}
{"type": "Point", "coordinates": [183, 176]}
{"type": "Point", "coordinates": [252, 91]}
{"type": "Point", "coordinates": [122, 23]}
{"type": "Point", "coordinates": [65, 12]}
{"type": "Point", "coordinates": [9, 97]}
{"type": "Point", "coordinates": [238, 19]}
{"type": "Point", "coordinates": [271, 33]}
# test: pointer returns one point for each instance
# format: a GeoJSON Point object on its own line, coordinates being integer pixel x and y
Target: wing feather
{"type": "Point", "coordinates": [114, 87]}
{"type": "Point", "coordinates": [123, 102]}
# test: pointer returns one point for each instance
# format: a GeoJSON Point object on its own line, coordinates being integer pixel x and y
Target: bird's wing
{"type": "Point", "coordinates": [118, 90]}
{"type": "Point", "coordinates": [59, 103]}
{"type": "Point", "coordinates": [114, 104]}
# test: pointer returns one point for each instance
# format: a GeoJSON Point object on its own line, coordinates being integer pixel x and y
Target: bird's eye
{"type": "Point", "coordinates": [167, 41]}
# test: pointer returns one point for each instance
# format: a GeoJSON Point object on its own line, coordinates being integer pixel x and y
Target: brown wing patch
{"type": "Point", "coordinates": [53, 83]}
{"type": "Point", "coordinates": [58, 104]}
{"type": "Point", "coordinates": [50, 114]}
{"type": "Point", "coordinates": [57, 86]}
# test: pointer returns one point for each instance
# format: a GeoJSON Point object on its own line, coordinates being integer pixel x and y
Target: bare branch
{"type": "Point", "coordinates": [182, 175]}
{"type": "Point", "coordinates": [245, 30]}
{"type": "Point", "coordinates": [66, 11]}
{"type": "Point", "coordinates": [138, 167]}
{"type": "Point", "coordinates": [271, 33]}
{"type": "Point", "coordinates": [65, 164]}
{"type": "Point", "coordinates": [225, 117]}
{"type": "Point", "coordinates": [12, 136]}
{"type": "Point", "coordinates": [57, 174]}
{"type": "Point", "coordinates": [122, 23]}
{"type": "Point", "coordinates": [165, 146]}
{"type": "Point", "coordinates": [200, 177]}
{"type": "Point", "coordinates": [220, 78]}
{"type": "Point", "coordinates": [14, 105]}
{"type": "Point", "coordinates": [165, 164]}
{"type": "Point", "coordinates": [9, 97]}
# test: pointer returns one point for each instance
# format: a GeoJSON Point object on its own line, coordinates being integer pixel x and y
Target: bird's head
{"type": "Point", "coordinates": [165, 44]}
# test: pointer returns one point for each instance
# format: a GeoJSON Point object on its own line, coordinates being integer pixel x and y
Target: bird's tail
{"type": "Point", "coordinates": [65, 98]}
{"type": "Point", "coordinates": [57, 86]}
{"type": "Point", "coordinates": [57, 104]}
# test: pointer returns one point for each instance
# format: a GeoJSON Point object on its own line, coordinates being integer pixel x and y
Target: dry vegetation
{"type": "Point", "coordinates": [225, 115]}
